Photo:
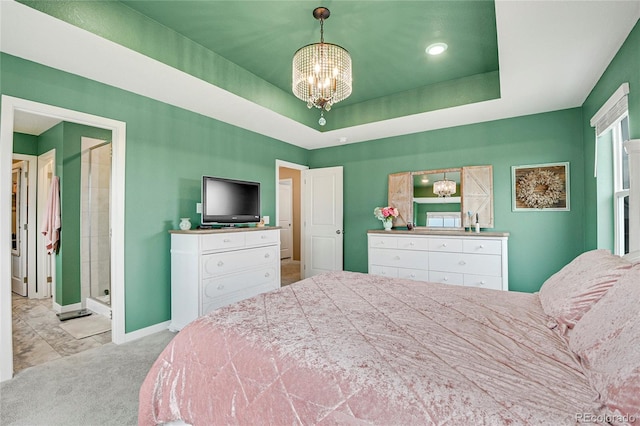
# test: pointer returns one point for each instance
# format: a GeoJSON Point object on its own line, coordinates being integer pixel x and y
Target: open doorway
{"type": "Point", "coordinates": [10, 108]}
{"type": "Point", "coordinates": [289, 218]}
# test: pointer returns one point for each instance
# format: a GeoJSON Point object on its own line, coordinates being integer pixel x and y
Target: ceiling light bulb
{"type": "Point", "coordinates": [436, 48]}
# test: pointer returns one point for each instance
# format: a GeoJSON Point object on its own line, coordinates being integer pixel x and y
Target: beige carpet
{"type": "Point", "coordinates": [86, 326]}
{"type": "Point", "coordinates": [289, 271]}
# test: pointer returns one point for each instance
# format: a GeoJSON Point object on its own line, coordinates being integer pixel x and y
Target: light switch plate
{"type": "Point", "coordinates": [266, 219]}
{"type": "Point", "coordinates": [199, 208]}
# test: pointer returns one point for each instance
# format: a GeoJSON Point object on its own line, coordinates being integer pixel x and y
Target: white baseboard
{"type": "Point", "coordinates": [143, 332]}
{"type": "Point", "coordinates": [98, 308]}
{"type": "Point", "coordinates": [59, 309]}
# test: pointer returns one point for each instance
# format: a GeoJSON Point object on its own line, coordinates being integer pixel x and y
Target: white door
{"type": "Point", "coordinates": [323, 228]}
{"type": "Point", "coordinates": [285, 218]}
{"type": "Point", "coordinates": [46, 265]}
{"type": "Point", "coordinates": [18, 229]}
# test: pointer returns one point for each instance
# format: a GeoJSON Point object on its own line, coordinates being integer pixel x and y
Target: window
{"type": "Point", "coordinates": [620, 133]}
{"type": "Point", "coordinates": [611, 170]}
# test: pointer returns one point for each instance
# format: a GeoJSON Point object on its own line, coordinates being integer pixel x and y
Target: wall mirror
{"type": "Point", "coordinates": [443, 198]}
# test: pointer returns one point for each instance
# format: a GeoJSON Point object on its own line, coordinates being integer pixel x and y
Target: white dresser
{"type": "Point", "coordinates": [214, 268]}
{"type": "Point", "coordinates": [450, 257]}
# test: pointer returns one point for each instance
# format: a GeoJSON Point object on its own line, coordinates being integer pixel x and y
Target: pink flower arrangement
{"type": "Point", "coordinates": [385, 213]}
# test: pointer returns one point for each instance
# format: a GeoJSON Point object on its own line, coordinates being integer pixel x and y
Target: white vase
{"type": "Point", "coordinates": [185, 223]}
{"type": "Point", "coordinates": [387, 224]}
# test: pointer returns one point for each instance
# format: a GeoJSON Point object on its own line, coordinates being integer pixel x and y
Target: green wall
{"type": "Point", "coordinates": [25, 144]}
{"type": "Point", "coordinates": [168, 150]}
{"type": "Point", "coordinates": [624, 68]}
{"type": "Point", "coordinates": [68, 168]}
{"type": "Point", "coordinates": [540, 242]}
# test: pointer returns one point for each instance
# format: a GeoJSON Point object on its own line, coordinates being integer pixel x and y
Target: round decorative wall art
{"type": "Point", "coordinates": [543, 186]}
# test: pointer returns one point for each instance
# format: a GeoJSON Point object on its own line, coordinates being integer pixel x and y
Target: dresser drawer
{"type": "Point", "coordinates": [211, 304]}
{"type": "Point", "coordinates": [216, 287]}
{"type": "Point", "coordinates": [382, 242]}
{"type": "Point", "coordinates": [229, 262]}
{"type": "Point", "coordinates": [479, 246]}
{"type": "Point", "coordinates": [259, 238]}
{"type": "Point", "coordinates": [385, 271]}
{"type": "Point", "coordinates": [223, 241]}
{"type": "Point", "coordinates": [399, 258]}
{"type": "Point", "coordinates": [483, 281]}
{"type": "Point", "coordinates": [413, 243]}
{"type": "Point", "coordinates": [413, 274]}
{"type": "Point", "coordinates": [446, 277]}
{"type": "Point", "coordinates": [478, 264]}
{"type": "Point", "coordinates": [445, 244]}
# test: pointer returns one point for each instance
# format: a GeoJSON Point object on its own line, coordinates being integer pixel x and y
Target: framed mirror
{"type": "Point", "coordinates": [436, 199]}
{"type": "Point", "coordinates": [444, 198]}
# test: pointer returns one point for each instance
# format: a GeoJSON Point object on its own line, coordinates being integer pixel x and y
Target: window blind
{"type": "Point", "coordinates": [609, 114]}
{"type": "Point", "coordinates": [612, 110]}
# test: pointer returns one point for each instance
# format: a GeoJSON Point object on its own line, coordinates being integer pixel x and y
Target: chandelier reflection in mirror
{"type": "Point", "coordinates": [321, 71]}
{"type": "Point", "coordinates": [444, 188]}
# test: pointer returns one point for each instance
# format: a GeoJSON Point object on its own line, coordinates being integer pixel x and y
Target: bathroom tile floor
{"type": "Point", "coordinates": [38, 338]}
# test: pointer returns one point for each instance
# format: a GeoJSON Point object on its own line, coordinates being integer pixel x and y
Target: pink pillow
{"type": "Point", "coordinates": [607, 342]}
{"type": "Point", "coordinates": [570, 292]}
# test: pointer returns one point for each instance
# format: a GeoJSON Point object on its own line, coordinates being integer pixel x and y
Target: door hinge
{"type": "Point", "coordinates": [24, 279]}
{"type": "Point", "coordinates": [49, 279]}
{"type": "Point", "coordinates": [25, 226]}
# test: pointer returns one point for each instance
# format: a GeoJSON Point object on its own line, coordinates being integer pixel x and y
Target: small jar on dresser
{"type": "Point", "coordinates": [216, 267]}
{"type": "Point", "coordinates": [449, 257]}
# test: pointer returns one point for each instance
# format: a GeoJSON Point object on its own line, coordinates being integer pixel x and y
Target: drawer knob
{"type": "Point", "coordinates": [220, 263]}
{"type": "Point", "coordinates": [226, 240]}
{"type": "Point", "coordinates": [481, 246]}
{"type": "Point", "coordinates": [266, 255]}
{"type": "Point", "coordinates": [221, 287]}
{"type": "Point", "coordinates": [413, 275]}
{"type": "Point", "coordinates": [445, 279]}
{"type": "Point", "coordinates": [267, 275]}
{"type": "Point", "coordinates": [482, 282]}
{"type": "Point", "coordinates": [411, 243]}
{"type": "Point", "coordinates": [444, 245]}
{"type": "Point", "coordinates": [396, 258]}
{"type": "Point", "coordinates": [263, 236]}
{"type": "Point", "coordinates": [462, 262]}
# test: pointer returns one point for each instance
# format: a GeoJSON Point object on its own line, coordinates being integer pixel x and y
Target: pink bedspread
{"type": "Point", "coordinates": [350, 348]}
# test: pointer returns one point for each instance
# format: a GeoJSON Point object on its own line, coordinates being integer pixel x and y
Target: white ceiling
{"type": "Point", "coordinates": [32, 124]}
{"type": "Point", "coordinates": [551, 55]}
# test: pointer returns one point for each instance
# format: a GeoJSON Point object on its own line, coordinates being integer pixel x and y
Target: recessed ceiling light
{"type": "Point", "coordinates": [436, 48]}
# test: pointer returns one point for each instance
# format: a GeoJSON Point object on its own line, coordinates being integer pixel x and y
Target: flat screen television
{"type": "Point", "coordinates": [228, 201]}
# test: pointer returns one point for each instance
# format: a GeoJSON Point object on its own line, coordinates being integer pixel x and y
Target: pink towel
{"type": "Point", "coordinates": [51, 221]}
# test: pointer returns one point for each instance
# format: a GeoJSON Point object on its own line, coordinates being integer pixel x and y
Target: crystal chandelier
{"type": "Point", "coordinates": [321, 71]}
{"type": "Point", "coordinates": [444, 188]}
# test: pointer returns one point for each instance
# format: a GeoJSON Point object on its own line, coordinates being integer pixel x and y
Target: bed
{"type": "Point", "coordinates": [352, 348]}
